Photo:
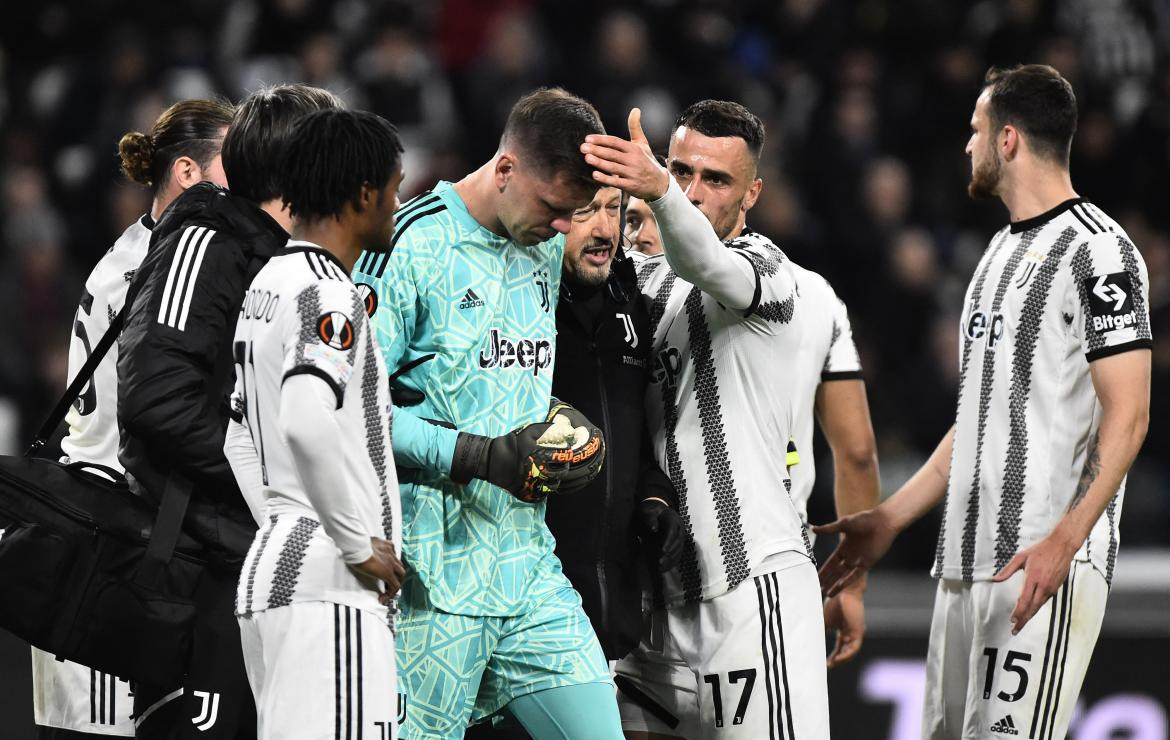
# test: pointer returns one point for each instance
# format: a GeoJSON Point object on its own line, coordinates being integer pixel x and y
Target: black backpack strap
{"type": "Point", "coordinates": [74, 390]}
{"type": "Point", "coordinates": [164, 536]}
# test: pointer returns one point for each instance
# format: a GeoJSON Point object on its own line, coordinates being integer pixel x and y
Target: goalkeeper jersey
{"type": "Point", "coordinates": [467, 318]}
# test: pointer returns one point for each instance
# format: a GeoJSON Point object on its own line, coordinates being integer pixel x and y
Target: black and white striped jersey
{"type": "Point", "coordinates": [719, 408]}
{"type": "Point", "coordinates": [93, 418]}
{"type": "Point", "coordinates": [1051, 295]}
{"type": "Point", "coordinates": [827, 353]}
{"type": "Point", "coordinates": [303, 314]}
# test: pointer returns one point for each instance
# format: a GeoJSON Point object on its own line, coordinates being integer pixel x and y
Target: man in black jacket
{"type": "Point", "coordinates": [175, 374]}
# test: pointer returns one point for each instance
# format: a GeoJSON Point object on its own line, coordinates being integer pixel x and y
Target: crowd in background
{"type": "Point", "coordinates": [866, 102]}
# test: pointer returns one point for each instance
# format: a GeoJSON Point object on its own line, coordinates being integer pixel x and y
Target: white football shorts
{"type": "Point", "coordinates": [321, 670]}
{"type": "Point", "coordinates": [747, 664]}
{"type": "Point", "coordinates": [983, 682]}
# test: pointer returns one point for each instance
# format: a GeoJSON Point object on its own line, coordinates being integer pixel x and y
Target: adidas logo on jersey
{"type": "Point", "coordinates": [1006, 726]}
{"type": "Point", "coordinates": [470, 300]}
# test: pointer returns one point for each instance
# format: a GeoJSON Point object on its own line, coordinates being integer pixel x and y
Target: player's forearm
{"type": "Point", "coordinates": [925, 489]}
{"type": "Point", "coordinates": [308, 422]}
{"type": "Point", "coordinates": [420, 444]}
{"type": "Point", "coordinates": [856, 484]}
{"type": "Point", "coordinates": [1111, 452]}
{"type": "Point", "coordinates": [694, 251]}
{"type": "Point", "coordinates": [245, 463]}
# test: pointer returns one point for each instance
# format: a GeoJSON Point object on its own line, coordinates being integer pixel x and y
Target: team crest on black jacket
{"type": "Point", "coordinates": [602, 368]}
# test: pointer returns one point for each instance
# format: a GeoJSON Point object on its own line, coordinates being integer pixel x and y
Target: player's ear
{"type": "Point", "coordinates": [753, 193]}
{"type": "Point", "coordinates": [505, 167]}
{"type": "Point", "coordinates": [1009, 143]}
{"type": "Point", "coordinates": [186, 172]}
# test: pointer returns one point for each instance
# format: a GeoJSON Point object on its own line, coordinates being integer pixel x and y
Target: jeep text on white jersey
{"type": "Point", "coordinates": [719, 409]}
{"type": "Point", "coordinates": [1050, 295]}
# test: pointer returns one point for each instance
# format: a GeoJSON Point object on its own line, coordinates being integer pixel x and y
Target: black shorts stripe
{"type": "Point", "coordinates": [643, 700]}
{"type": "Point", "coordinates": [93, 679]}
{"type": "Point", "coordinates": [357, 693]}
{"type": "Point", "coordinates": [348, 679]}
{"type": "Point", "coordinates": [337, 672]}
{"type": "Point", "coordinates": [783, 661]}
{"type": "Point", "coordinates": [1071, 586]}
{"type": "Point", "coordinates": [764, 620]}
{"type": "Point", "coordinates": [1044, 669]}
{"type": "Point", "coordinates": [113, 716]}
{"type": "Point", "coordinates": [1046, 717]}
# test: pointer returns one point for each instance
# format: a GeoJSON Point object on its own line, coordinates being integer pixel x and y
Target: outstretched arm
{"type": "Point", "coordinates": [867, 536]}
{"type": "Point", "coordinates": [690, 244]}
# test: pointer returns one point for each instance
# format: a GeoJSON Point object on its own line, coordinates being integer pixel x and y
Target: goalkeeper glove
{"type": "Point", "coordinates": [585, 453]}
{"type": "Point", "coordinates": [513, 461]}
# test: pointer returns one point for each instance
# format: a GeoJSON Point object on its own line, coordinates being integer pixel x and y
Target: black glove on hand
{"type": "Point", "coordinates": [661, 527]}
{"type": "Point", "coordinates": [514, 462]}
{"type": "Point", "coordinates": [586, 457]}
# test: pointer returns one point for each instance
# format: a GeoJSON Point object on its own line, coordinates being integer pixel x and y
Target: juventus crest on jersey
{"type": "Point", "coordinates": [1050, 295]}
{"type": "Point", "coordinates": [719, 408]}
{"type": "Point", "coordinates": [303, 314]}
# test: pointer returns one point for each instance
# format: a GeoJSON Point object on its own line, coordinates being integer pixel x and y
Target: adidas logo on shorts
{"type": "Point", "coordinates": [1005, 726]}
{"type": "Point", "coordinates": [470, 300]}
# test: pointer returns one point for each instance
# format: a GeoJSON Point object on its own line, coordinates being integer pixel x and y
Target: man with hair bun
{"type": "Point", "coordinates": [175, 375]}
{"type": "Point", "coordinates": [180, 150]}
{"type": "Point", "coordinates": [465, 305]}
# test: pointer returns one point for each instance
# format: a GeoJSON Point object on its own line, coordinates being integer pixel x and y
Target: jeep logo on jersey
{"type": "Point", "coordinates": [503, 352]}
{"type": "Point", "coordinates": [1110, 301]}
{"type": "Point", "coordinates": [979, 325]}
{"type": "Point", "coordinates": [335, 330]}
{"type": "Point", "coordinates": [667, 366]}
{"type": "Point", "coordinates": [368, 296]}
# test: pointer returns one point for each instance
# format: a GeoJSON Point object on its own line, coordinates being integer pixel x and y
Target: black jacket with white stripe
{"type": "Point", "coordinates": [175, 360]}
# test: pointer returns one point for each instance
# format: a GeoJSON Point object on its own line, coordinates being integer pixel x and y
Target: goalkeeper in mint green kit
{"type": "Point", "coordinates": [463, 306]}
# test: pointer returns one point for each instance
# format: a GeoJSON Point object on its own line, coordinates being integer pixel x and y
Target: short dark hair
{"type": "Point", "coordinates": [1037, 100]}
{"type": "Point", "coordinates": [256, 138]}
{"type": "Point", "coordinates": [330, 154]}
{"type": "Point", "coordinates": [719, 118]}
{"type": "Point", "coordinates": [549, 125]}
{"type": "Point", "coordinates": [189, 128]}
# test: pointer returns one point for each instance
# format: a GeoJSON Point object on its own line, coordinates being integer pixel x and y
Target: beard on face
{"type": "Point", "coordinates": [588, 274]}
{"type": "Point", "coordinates": [985, 178]}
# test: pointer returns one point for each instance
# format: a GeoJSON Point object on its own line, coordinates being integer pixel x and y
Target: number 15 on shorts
{"type": "Point", "coordinates": [1013, 662]}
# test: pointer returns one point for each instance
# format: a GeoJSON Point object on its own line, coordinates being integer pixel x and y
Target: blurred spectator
{"type": "Point", "coordinates": [867, 107]}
